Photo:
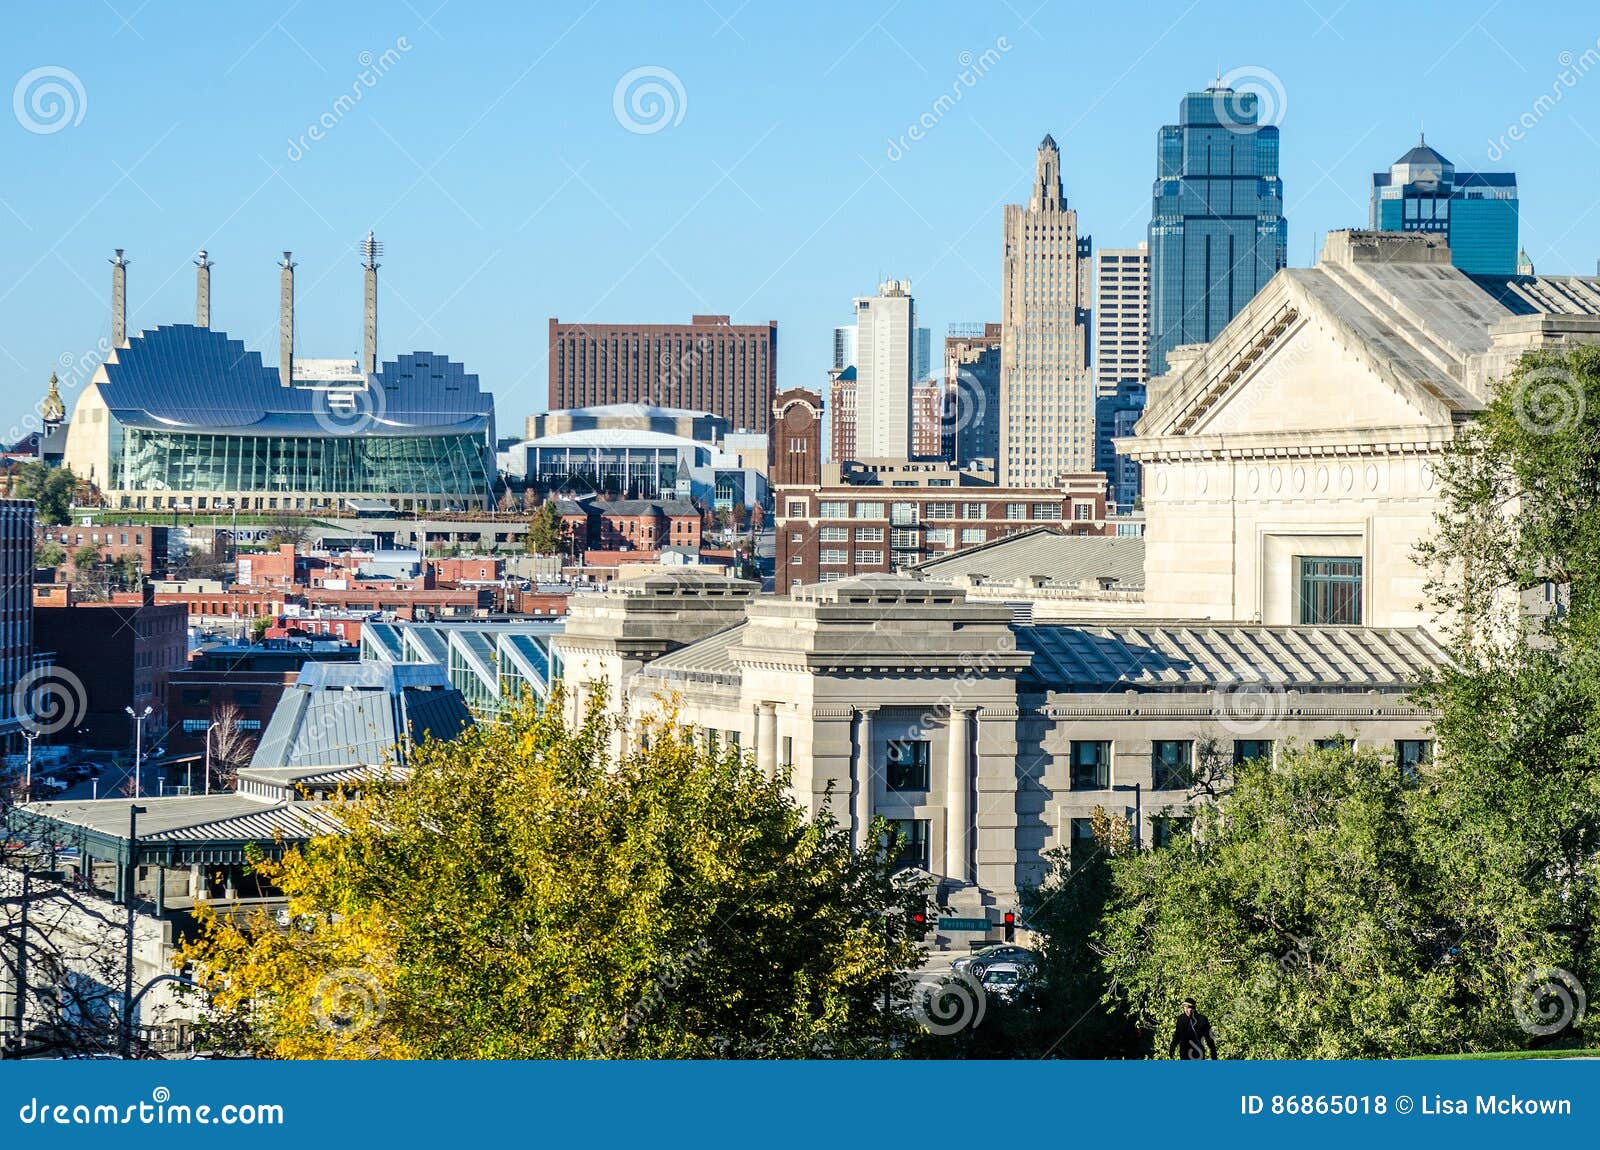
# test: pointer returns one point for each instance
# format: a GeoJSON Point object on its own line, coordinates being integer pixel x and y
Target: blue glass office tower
{"type": "Point", "coordinates": [1217, 232]}
{"type": "Point", "coordinates": [1476, 212]}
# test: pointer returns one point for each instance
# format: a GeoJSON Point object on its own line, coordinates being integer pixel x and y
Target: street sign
{"type": "Point", "coordinates": [981, 924]}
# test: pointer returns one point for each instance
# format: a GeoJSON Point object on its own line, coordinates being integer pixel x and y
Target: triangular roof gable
{"type": "Point", "coordinates": [1270, 360]}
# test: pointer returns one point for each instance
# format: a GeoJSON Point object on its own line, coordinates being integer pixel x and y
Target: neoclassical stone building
{"type": "Point", "coordinates": [1289, 465]}
{"type": "Point", "coordinates": [986, 742]}
{"type": "Point", "coordinates": [990, 702]}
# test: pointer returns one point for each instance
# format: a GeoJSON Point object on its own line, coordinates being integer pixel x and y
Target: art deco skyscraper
{"type": "Point", "coordinates": [1046, 389]}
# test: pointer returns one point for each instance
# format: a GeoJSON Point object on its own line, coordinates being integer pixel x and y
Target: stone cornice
{"type": "Point", "coordinates": [1394, 441]}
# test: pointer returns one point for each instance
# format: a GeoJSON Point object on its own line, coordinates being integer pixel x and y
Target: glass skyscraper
{"type": "Point", "coordinates": [1217, 232]}
{"type": "Point", "coordinates": [1476, 212]}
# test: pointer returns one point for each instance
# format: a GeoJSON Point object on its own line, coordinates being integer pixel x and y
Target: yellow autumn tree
{"type": "Point", "coordinates": [524, 894]}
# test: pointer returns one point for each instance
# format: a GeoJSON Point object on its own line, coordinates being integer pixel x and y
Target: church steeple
{"type": "Point", "coordinates": [1047, 195]}
{"type": "Point", "coordinates": [51, 409]}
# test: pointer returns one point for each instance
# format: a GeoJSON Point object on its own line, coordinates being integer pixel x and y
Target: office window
{"type": "Point", "coordinates": [1330, 591]}
{"type": "Point", "coordinates": [1412, 755]}
{"type": "Point", "coordinates": [833, 535]}
{"type": "Point", "coordinates": [1172, 764]}
{"type": "Point", "coordinates": [1047, 511]}
{"type": "Point", "coordinates": [973, 535]}
{"type": "Point", "coordinates": [196, 726]}
{"type": "Point", "coordinates": [972, 511]}
{"type": "Point", "coordinates": [869, 534]}
{"type": "Point", "coordinates": [1091, 765]}
{"type": "Point", "coordinates": [871, 556]}
{"type": "Point", "coordinates": [941, 511]}
{"type": "Point", "coordinates": [833, 509]}
{"type": "Point", "coordinates": [1252, 750]}
{"type": "Point", "coordinates": [909, 840]}
{"type": "Point", "coordinates": [835, 556]}
{"type": "Point", "coordinates": [1016, 510]}
{"type": "Point", "coordinates": [906, 767]}
{"type": "Point", "coordinates": [869, 511]}
{"type": "Point", "coordinates": [797, 509]}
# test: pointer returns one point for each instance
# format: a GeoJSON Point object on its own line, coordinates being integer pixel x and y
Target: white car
{"type": "Point", "coordinates": [1004, 980]}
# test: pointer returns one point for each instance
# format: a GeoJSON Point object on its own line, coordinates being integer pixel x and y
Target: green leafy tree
{"type": "Point", "coordinates": [545, 530]}
{"type": "Point", "coordinates": [49, 555]}
{"type": "Point", "coordinates": [524, 893]}
{"type": "Point", "coordinates": [86, 558]}
{"type": "Point", "coordinates": [1305, 913]}
{"type": "Point", "coordinates": [51, 489]}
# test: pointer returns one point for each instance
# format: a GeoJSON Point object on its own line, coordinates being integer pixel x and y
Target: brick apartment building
{"type": "Point", "coordinates": [829, 532]}
{"type": "Point", "coordinates": [148, 543]}
{"type": "Point", "coordinates": [630, 524]}
{"type": "Point", "coordinates": [709, 364]}
{"type": "Point", "coordinates": [123, 654]}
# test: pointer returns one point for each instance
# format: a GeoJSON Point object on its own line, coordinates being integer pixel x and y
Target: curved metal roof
{"type": "Point", "coordinates": [179, 377]}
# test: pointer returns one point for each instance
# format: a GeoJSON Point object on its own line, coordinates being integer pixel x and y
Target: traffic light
{"type": "Point", "coordinates": [919, 925]}
{"type": "Point", "coordinates": [1011, 927]}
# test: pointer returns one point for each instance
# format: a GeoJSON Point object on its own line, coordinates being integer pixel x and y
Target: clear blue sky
{"type": "Point", "coordinates": [491, 161]}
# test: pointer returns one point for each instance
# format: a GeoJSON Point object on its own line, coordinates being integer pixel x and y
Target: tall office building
{"type": "Point", "coordinates": [972, 373]}
{"type": "Point", "coordinates": [1217, 232]}
{"type": "Point", "coordinates": [709, 364]}
{"type": "Point", "coordinates": [1121, 317]}
{"type": "Point", "coordinates": [844, 347]}
{"type": "Point", "coordinates": [886, 330]}
{"type": "Point", "coordinates": [842, 414]}
{"type": "Point", "coordinates": [1121, 362]}
{"type": "Point", "coordinates": [1476, 212]}
{"type": "Point", "coordinates": [1046, 389]}
{"type": "Point", "coordinates": [922, 355]}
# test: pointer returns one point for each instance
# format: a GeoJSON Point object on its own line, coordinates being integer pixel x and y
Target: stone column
{"type": "Point", "coordinates": [958, 786]}
{"type": "Point", "coordinates": [767, 738]}
{"type": "Point", "coordinates": [861, 778]}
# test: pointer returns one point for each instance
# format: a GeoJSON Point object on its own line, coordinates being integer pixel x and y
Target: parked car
{"type": "Point", "coordinates": [980, 961]}
{"type": "Point", "coordinates": [1004, 980]}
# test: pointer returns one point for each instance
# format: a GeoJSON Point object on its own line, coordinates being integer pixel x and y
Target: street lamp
{"type": "Point", "coordinates": [138, 744]}
{"type": "Point", "coordinates": [210, 727]}
{"type": "Point", "coordinates": [128, 884]}
{"type": "Point", "coordinates": [27, 771]}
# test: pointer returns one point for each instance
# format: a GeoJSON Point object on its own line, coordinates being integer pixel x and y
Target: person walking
{"type": "Point", "coordinates": [1191, 1038]}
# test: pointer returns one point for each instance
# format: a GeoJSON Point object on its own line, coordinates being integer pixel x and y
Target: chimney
{"type": "Point", "coordinates": [202, 290]}
{"type": "Point", "coordinates": [371, 249]}
{"type": "Point", "coordinates": [119, 300]}
{"type": "Point", "coordinates": [286, 322]}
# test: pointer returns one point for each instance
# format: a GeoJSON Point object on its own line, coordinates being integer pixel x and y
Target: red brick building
{"type": "Point", "coordinates": [828, 532]}
{"type": "Point", "coordinates": [796, 439]}
{"type": "Point", "coordinates": [841, 415]}
{"type": "Point", "coordinates": [630, 524]}
{"type": "Point", "coordinates": [149, 544]}
{"type": "Point", "coordinates": [709, 364]}
{"type": "Point", "coordinates": [450, 572]}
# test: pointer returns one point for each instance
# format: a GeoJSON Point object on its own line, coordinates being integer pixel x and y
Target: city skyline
{"type": "Point", "coordinates": [484, 244]}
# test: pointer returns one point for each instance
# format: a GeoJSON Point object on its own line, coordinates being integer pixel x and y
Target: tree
{"type": "Point", "coordinates": [523, 893]}
{"type": "Point", "coordinates": [1307, 915]}
{"type": "Point", "coordinates": [545, 530]}
{"type": "Point", "coordinates": [49, 555]}
{"type": "Point", "coordinates": [129, 569]}
{"type": "Point", "coordinates": [51, 489]}
{"type": "Point", "coordinates": [231, 746]}
{"type": "Point", "coordinates": [85, 559]}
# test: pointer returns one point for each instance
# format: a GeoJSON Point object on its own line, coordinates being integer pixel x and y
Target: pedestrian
{"type": "Point", "coordinates": [1191, 1038]}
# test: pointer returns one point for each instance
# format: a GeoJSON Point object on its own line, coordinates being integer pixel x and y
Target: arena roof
{"type": "Point", "coordinates": [179, 377]}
